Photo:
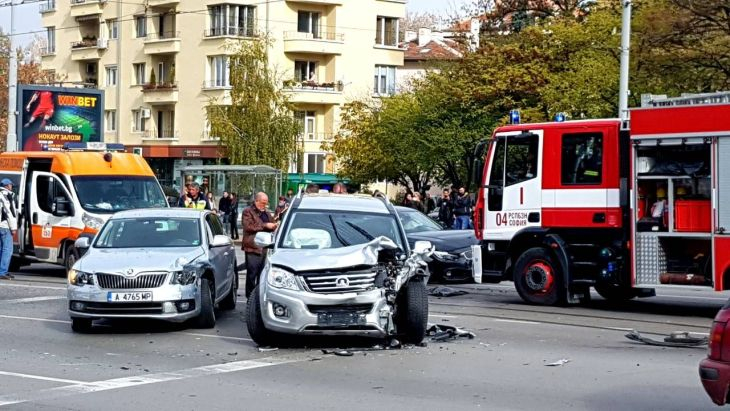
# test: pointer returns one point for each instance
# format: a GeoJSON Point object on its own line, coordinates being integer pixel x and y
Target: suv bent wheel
{"type": "Point", "coordinates": [255, 322]}
{"type": "Point", "coordinates": [412, 312]}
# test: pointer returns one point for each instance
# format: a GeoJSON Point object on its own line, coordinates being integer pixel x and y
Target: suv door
{"type": "Point", "coordinates": [221, 257]}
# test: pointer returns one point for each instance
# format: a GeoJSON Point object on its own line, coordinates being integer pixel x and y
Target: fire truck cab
{"type": "Point", "coordinates": [620, 206]}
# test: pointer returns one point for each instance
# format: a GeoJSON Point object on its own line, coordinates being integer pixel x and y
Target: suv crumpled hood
{"type": "Point", "coordinates": [331, 258]}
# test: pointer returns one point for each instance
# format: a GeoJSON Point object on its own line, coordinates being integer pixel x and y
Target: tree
{"type": "Point", "coordinates": [258, 127]}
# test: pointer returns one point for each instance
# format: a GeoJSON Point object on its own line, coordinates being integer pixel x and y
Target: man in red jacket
{"type": "Point", "coordinates": [256, 218]}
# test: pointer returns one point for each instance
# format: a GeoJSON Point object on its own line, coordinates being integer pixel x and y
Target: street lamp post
{"type": "Point", "coordinates": [12, 138]}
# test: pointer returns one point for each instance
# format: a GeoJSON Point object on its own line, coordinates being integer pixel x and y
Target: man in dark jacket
{"type": "Point", "coordinates": [462, 210]}
{"type": "Point", "coordinates": [233, 216]}
{"type": "Point", "coordinates": [224, 209]}
{"type": "Point", "coordinates": [256, 218]}
{"type": "Point", "coordinates": [194, 199]}
{"type": "Point", "coordinates": [446, 213]}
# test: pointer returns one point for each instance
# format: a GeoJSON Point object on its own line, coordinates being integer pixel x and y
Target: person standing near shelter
{"type": "Point", "coordinates": [462, 210]}
{"type": "Point", "coordinates": [195, 199]}
{"type": "Point", "coordinates": [256, 218]}
{"type": "Point", "coordinates": [224, 209]}
{"type": "Point", "coordinates": [8, 227]}
{"type": "Point", "coordinates": [446, 214]}
{"type": "Point", "coordinates": [233, 216]}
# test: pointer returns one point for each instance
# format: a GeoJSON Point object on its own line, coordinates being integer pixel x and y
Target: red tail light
{"type": "Point", "coordinates": [715, 346]}
{"type": "Point", "coordinates": [478, 216]}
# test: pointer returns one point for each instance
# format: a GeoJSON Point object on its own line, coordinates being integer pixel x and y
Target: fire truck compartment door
{"type": "Point", "coordinates": [514, 190]}
{"type": "Point", "coordinates": [50, 215]}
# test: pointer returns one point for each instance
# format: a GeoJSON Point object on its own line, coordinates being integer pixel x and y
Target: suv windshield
{"type": "Point", "coordinates": [109, 194]}
{"type": "Point", "coordinates": [149, 232]}
{"type": "Point", "coordinates": [333, 229]}
{"type": "Point", "coordinates": [416, 222]}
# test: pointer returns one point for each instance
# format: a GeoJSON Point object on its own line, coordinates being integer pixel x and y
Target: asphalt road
{"type": "Point", "coordinates": [152, 365]}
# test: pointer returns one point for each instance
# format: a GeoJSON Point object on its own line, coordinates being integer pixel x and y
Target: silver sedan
{"type": "Point", "coordinates": [169, 264]}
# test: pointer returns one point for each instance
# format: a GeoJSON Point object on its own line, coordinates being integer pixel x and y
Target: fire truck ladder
{"type": "Point", "coordinates": [687, 99]}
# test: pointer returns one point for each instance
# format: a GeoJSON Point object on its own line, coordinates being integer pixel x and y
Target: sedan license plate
{"type": "Point", "coordinates": [129, 297]}
{"type": "Point", "coordinates": [340, 319]}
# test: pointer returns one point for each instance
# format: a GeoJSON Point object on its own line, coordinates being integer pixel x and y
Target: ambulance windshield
{"type": "Point", "coordinates": [109, 194]}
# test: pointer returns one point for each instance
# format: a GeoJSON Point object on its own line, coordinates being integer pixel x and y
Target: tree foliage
{"type": "Point", "coordinates": [258, 127]}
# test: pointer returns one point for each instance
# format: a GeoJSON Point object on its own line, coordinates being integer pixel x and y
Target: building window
{"type": "Point", "coordinates": [219, 71]}
{"type": "Point", "coordinates": [232, 20]}
{"type": "Point", "coordinates": [113, 26]}
{"type": "Point", "coordinates": [111, 75]}
{"type": "Point", "coordinates": [138, 117]}
{"type": "Point", "coordinates": [305, 70]}
{"type": "Point", "coordinates": [384, 80]}
{"type": "Point", "coordinates": [582, 159]}
{"type": "Point", "coordinates": [315, 163]}
{"type": "Point", "coordinates": [140, 24]}
{"type": "Point", "coordinates": [110, 118]}
{"type": "Point", "coordinates": [308, 22]}
{"type": "Point", "coordinates": [139, 73]}
{"type": "Point", "coordinates": [387, 31]}
{"type": "Point", "coordinates": [51, 39]}
{"type": "Point", "coordinates": [308, 120]}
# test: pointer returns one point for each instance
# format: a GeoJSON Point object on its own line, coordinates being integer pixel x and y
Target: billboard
{"type": "Point", "coordinates": [49, 117]}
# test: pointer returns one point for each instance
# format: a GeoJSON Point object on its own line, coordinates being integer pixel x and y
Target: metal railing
{"type": "Point", "coordinates": [313, 86]}
{"type": "Point", "coordinates": [159, 86]}
{"type": "Point", "coordinates": [89, 43]}
{"type": "Point", "coordinates": [86, 1]}
{"type": "Point", "coordinates": [163, 36]}
{"type": "Point", "coordinates": [48, 51]}
{"type": "Point", "coordinates": [315, 136]}
{"type": "Point", "coordinates": [324, 34]}
{"type": "Point", "coordinates": [164, 133]}
{"type": "Point", "coordinates": [230, 31]}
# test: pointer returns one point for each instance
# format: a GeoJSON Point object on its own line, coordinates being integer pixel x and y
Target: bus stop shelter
{"type": "Point", "coordinates": [245, 181]}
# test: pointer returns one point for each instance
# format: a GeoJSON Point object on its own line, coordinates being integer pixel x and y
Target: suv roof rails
{"type": "Point", "coordinates": [382, 197]}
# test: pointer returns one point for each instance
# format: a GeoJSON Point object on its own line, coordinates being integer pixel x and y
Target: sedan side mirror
{"type": "Point", "coordinates": [82, 243]}
{"type": "Point", "coordinates": [264, 239]}
{"type": "Point", "coordinates": [221, 241]}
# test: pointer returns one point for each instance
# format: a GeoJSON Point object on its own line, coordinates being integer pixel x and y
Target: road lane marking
{"type": "Point", "coordinates": [126, 382]}
{"type": "Point", "coordinates": [40, 377]}
{"type": "Point", "coordinates": [443, 316]}
{"type": "Point", "coordinates": [48, 320]}
{"type": "Point", "coordinates": [225, 337]}
{"type": "Point", "coordinates": [501, 320]}
{"type": "Point", "coordinates": [42, 287]}
{"type": "Point", "coordinates": [35, 299]}
{"type": "Point", "coordinates": [691, 297]}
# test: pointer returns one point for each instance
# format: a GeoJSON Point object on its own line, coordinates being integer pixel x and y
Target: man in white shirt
{"type": "Point", "coordinates": [8, 227]}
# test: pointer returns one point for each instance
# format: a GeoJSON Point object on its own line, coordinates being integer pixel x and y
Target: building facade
{"type": "Point", "coordinates": [162, 62]}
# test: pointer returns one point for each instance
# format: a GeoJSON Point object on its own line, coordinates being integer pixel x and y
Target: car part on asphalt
{"type": "Point", "coordinates": [676, 339]}
{"type": "Point", "coordinates": [445, 292]}
{"type": "Point", "coordinates": [440, 332]}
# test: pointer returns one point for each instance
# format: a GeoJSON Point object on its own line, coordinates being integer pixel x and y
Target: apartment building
{"type": "Point", "coordinates": [162, 62]}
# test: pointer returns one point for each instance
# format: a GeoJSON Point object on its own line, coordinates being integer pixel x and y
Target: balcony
{"type": "Point", "coordinates": [315, 137]}
{"type": "Point", "coordinates": [230, 32]}
{"type": "Point", "coordinates": [48, 51]}
{"type": "Point", "coordinates": [164, 134]}
{"type": "Point", "coordinates": [162, 43]}
{"type": "Point", "coordinates": [88, 49]}
{"type": "Point", "coordinates": [164, 93]}
{"type": "Point", "coordinates": [325, 42]}
{"type": "Point", "coordinates": [81, 8]}
{"type": "Point", "coordinates": [215, 90]}
{"type": "Point", "coordinates": [47, 6]}
{"type": "Point", "coordinates": [162, 3]}
{"type": "Point", "coordinates": [319, 2]}
{"type": "Point", "coordinates": [313, 93]}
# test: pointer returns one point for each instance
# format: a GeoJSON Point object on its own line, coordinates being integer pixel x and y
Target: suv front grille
{"type": "Point", "coordinates": [116, 281]}
{"type": "Point", "coordinates": [345, 282]}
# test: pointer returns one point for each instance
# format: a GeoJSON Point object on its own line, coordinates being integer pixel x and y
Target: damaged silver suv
{"type": "Point", "coordinates": [340, 265]}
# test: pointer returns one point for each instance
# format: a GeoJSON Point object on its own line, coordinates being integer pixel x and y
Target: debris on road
{"type": "Point", "coordinates": [442, 291]}
{"type": "Point", "coordinates": [267, 349]}
{"type": "Point", "coordinates": [675, 339]}
{"type": "Point", "coordinates": [441, 332]}
{"type": "Point", "coordinates": [558, 363]}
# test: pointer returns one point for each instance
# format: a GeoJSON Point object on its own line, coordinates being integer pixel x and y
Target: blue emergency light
{"type": "Point", "coordinates": [560, 117]}
{"type": "Point", "coordinates": [514, 117]}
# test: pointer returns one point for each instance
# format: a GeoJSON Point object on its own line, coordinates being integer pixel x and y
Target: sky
{"type": "Point", "coordinates": [28, 18]}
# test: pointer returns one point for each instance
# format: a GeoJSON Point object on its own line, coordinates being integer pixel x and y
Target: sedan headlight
{"type": "Point", "coordinates": [91, 221]}
{"type": "Point", "coordinates": [281, 278]}
{"type": "Point", "coordinates": [185, 277]}
{"type": "Point", "coordinates": [80, 278]}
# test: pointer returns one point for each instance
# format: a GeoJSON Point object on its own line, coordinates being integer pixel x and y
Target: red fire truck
{"type": "Point", "coordinates": [624, 207]}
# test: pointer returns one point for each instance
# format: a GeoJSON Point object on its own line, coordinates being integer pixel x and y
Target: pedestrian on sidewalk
{"type": "Point", "coordinates": [233, 216]}
{"type": "Point", "coordinates": [8, 227]}
{"type": "Point", "coordinates": [256, 218]}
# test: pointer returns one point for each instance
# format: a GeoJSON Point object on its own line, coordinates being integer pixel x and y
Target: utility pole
{"type": "Point", "coordinates": [11, 143]}
{"type": "Point", "coordinates": [623, 89]}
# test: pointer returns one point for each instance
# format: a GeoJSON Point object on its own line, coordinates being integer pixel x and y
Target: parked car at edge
{"type": "Point", "coordinates": [451, 262]}
{"type": "Point", "coordinates": [169, 264]}
{"type": "Point", "coordinates": [715, 369]}
{"type": "Point", "coordinates": [340, 265]}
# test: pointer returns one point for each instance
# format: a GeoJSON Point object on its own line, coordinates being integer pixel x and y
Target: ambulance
{"type": "Point", "coordinates": [61, 195]}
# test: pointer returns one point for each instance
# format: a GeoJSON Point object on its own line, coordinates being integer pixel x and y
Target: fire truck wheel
{"type": "Point", "coordinates": [615, 293]}
{"type": "Point", "coordinates": [537, 278]}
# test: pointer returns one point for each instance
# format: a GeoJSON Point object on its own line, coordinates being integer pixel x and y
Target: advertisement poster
{"type": "Point", "coordinates": [49, 117]}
